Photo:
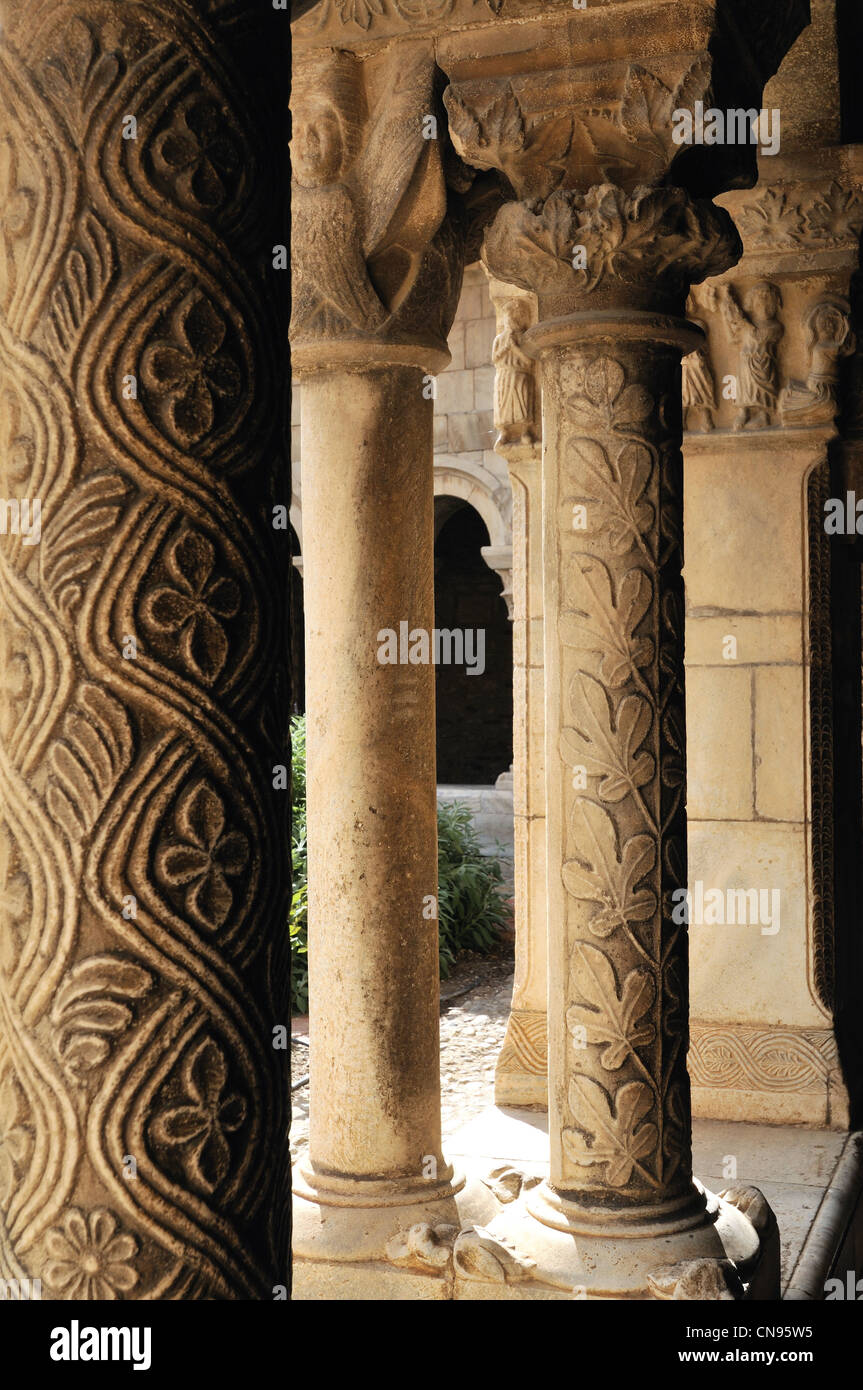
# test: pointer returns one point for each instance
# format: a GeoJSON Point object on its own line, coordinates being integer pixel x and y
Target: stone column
{"type": "Point", "coordinates": [372, 828]}
{"type": "Point", "coordinates": [610, 339]}
{"type": "Point", "coordinates": [521, 1076]}
{"type": "Point", "coordinates": [372, 308]}
{"type": "Point", "coordinates": [144, 845]}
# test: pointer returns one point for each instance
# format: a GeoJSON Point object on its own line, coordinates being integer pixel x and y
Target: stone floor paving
{"type": "Point", "coordinates": [792, 1165]}
{"type": "Point", "coordinates": [471, 1033]}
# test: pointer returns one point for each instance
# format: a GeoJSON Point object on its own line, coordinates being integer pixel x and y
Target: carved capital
{"type": "Point", "coordinates": [574, 129]}
{"type": "Point", "coordinates": [642, 249]}
{"type": "Point", "coordinates": [377, 237]}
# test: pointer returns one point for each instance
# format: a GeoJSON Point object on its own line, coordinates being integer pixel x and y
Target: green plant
{"type": "Point", "coordinates": [472, 905]}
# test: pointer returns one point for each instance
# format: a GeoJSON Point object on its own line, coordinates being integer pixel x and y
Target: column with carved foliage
{"type": "Point", "coordinates": [610, 337]}
{"type": "Point", "coordinates": [143, 1104]}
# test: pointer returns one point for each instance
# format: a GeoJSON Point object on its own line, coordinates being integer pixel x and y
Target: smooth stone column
{"type": "Point", "coordinates": [374, 1170]}
{"type": "Point", "coordinates": [373, 956]}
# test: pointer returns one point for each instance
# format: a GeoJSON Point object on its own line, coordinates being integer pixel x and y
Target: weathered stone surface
{"type": "Point", "coordinates": [144, 839]}
{"type": "Point", "coordinates": [550, 107]}
{"type": "Point", "coordinates": [757, 477]}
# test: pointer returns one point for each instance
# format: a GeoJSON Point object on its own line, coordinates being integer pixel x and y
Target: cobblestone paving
{"type": "Point", "coordinates": [471, 1033]}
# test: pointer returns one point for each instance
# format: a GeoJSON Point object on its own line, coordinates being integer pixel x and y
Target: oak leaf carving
{"type": "Point", "coordinates": [599, 874]}
{"type": "Point", "coordinates": [603, 624]}
{"type": "Point", "coordinates": [608, 750]}
{"type": "Point", "coordinates": [612, 1134]}
{"type": "Point", "coordinates": [612, 1018]}
{"type": "Point", "coordinates": [605, 395]}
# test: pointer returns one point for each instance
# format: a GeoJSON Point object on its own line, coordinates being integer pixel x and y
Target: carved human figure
{"type": "Point", "coordinates": [755, 327]}
{"type": "Point", "coordinates": [514, 382]}
{"type": "Point", "coordinates": [699, 388]}
{"type": "Point", "coordinates": [828, 339]}
{"type": "Point", "coordinates": [333, 295]}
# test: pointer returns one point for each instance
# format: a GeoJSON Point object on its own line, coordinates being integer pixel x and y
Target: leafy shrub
{"type": "Point", "coordinates": [472, 905]}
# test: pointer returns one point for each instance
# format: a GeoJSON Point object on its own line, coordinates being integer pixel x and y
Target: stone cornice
{"type": "Point", "coordinates": [763, 29]}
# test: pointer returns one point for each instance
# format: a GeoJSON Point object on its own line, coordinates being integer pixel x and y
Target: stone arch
{"type": "Point", "coordinates": [477, 485]}
{"type": "Point", "coordinates": [474, 716]}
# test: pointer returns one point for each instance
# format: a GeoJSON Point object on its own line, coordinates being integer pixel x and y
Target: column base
{"type": "Point", "coordinates": [707, 1248]}
{"type": "Point", "coordinates": [377, 1239]}
{"type": "Point", "coordinates": [521, 1074]}
{"type": "Point", "coordinates": [510, 1237]}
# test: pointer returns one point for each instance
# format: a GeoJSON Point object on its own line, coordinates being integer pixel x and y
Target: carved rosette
{"type": "Point", "coordinates": [612, 481]}
{"type": "Point", "coordinates": [142, 848]}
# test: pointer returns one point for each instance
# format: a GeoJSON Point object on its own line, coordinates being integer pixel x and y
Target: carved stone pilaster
{"type": "Point", "coordinates": [778, 443]}
{"type": "Point", "coordinates": [144, 846]}
{"type": "Point", "coordinates": [521, 1072]}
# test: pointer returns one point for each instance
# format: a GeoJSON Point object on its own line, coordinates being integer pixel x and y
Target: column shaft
{"type": "Point", "coordinates": [373, 954]}
{"type": "Point", "coordinates": [521, 1073]}
{"type": "Point", "coordinates": [145, 854]}
{"type": "Point", "coordinates": [612, 505]}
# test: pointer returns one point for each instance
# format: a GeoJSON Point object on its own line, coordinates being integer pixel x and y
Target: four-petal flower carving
{"type": "Point", "coordinates": [199, 1127]}
{"type": "Point", "coordinates": [192, 372]}
{"type": "Point", "coordinates": [192, 605]}
{"type": "Point", "coordinates": [17, 211]}
{"type": "Point", "coordinates": [88, 1259]}
{"type": "Point", "coordinates": [205, 858]}
{"type": "Point", "coordinates": [201, 154]}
